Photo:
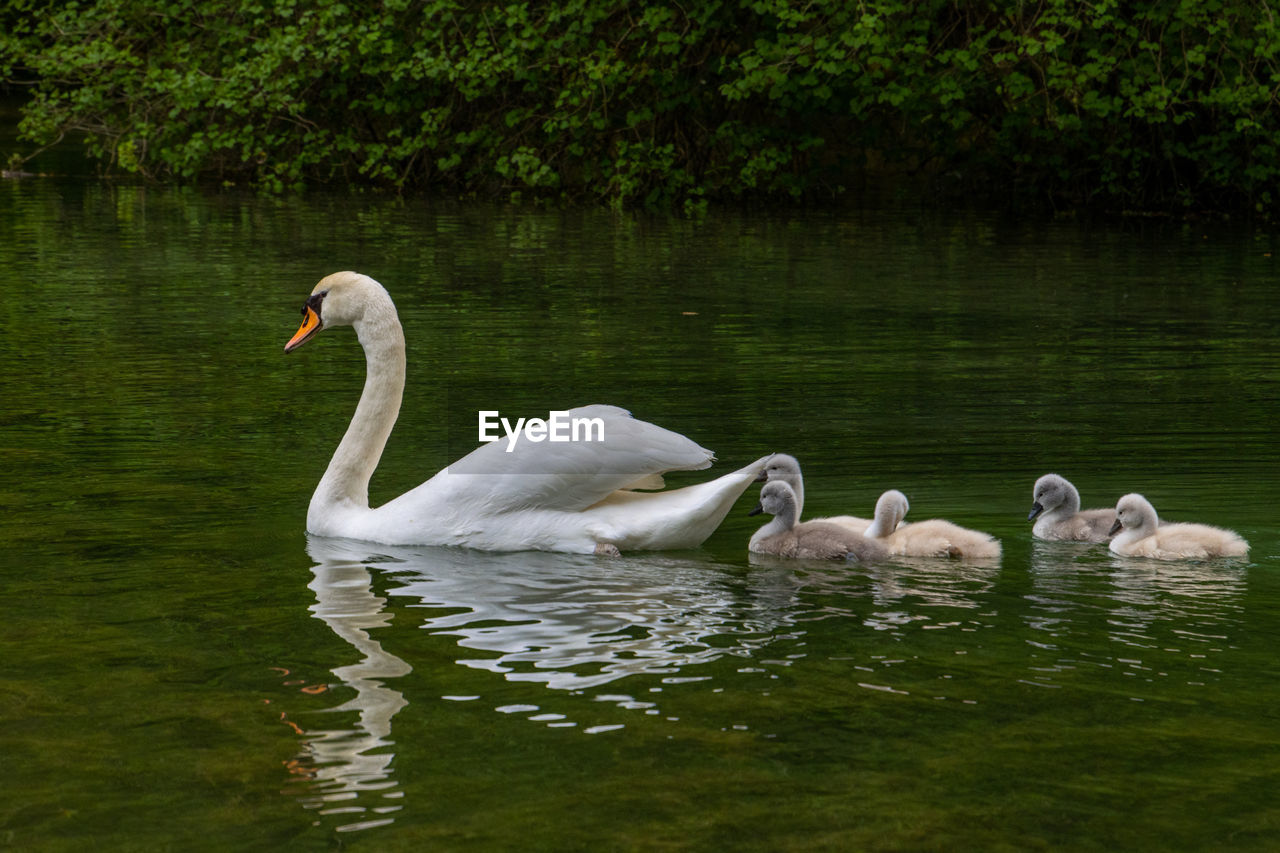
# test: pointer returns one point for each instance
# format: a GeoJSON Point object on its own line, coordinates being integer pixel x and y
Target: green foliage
{"type": "Point", "coordinates": [1165, 104]}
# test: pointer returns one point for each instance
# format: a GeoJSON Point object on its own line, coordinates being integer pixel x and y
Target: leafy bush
{"type": "Point", "coordinates": [1138, 105]}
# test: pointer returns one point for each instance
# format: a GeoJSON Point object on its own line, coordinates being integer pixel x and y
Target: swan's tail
{"type": "Point", "coordinates": [679, 518]}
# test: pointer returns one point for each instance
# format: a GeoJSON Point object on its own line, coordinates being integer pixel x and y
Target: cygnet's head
{"type": "Point", "coordinates": [892, 505]}
{"type": "Point", "coordinates": [776, 498]}
{"type": "Point", "coordinates": [1051, 492]}
{"type": "Point", "coordinates": [781, 466]}
{"type": "Point", "coordinates": [1134, 512]}
{"type": "Point", "coordinates": [340, 299]}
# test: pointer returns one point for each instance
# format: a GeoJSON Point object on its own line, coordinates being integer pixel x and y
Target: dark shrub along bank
{"type": "Point", "coordinates": [1133, 106]}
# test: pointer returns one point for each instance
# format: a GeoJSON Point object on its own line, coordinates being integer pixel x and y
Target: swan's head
{"type": "Point", "coordinates": [783, 467]}
{"type": "Point", "coordinates": [1134, 512]}
{"type": "Point", "coordinates": [776, 498]}
{"type": "Point", "coordinates": [1051, 492]}
{"type": "Point", "coordinates": [340, 299]}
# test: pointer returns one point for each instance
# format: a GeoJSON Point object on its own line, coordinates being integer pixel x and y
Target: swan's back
{"type": "Point", "coordinates": [622, 452]}
{"type": "Point", "coordinates": [628, 520]}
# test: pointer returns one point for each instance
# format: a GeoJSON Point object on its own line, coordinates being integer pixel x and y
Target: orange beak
{"type": "Point", "coordinates": [310, 325]}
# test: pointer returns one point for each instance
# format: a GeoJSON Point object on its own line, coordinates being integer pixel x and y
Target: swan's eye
{"type": "Point", "coordinates": [314, 302]}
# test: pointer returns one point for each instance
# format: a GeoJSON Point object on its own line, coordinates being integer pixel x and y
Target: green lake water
{"type": "Point", "coordinates": [185, 670]}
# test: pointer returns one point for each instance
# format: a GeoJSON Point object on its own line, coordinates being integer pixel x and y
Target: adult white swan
{"type": "Point", "coordinates": [567, 496]}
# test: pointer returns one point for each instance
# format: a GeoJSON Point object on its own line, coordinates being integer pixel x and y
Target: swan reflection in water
{"type": "Point", "coordinates": [569, 622]}
{"type": "Point", "coordinates": [347, 763]}
{"type": "Point", "coordinates": [576, 622]}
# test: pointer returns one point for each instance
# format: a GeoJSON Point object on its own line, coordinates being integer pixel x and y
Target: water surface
{"type": "Point", "coordinates": [186, 669]}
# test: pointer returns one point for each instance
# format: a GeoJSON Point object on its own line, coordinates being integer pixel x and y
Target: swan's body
{"type": "Point", "coordinates": [932, 538]}
{"type": "Point", "coordinates": [1139, 533]}
{"type": "Point", "coordinates": [786, 468]}
{"type": "Point", "coordinates": [784, 536]}
{"type": "Point", "coordinates": [565, 496]}
{"type": "Point", "coordinates": [1056, 510]}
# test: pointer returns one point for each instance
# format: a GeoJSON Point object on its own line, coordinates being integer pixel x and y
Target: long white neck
{"type": "Point", "coordinates": [346, 481]}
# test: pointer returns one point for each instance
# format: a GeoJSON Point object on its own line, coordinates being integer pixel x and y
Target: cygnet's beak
{"type": "Point", "coordinates": [1115, 528]}
{"type": "Point", "coordinates": [759, 509]}
{"type": "Point", "coordinates": [310, 325]}
{"type": "Point", "coordinates": [1036, 509]}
